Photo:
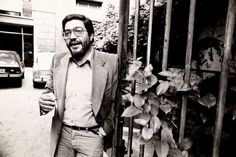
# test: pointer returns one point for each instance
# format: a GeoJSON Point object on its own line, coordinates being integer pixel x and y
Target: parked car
{"type": "Point", "coordinates": [41, 68]}
{"type": "Point", "coordinates": [11, 66]}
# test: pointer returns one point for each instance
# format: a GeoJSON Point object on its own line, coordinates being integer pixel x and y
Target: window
{"type": "Point", "coordinates": [27, 8]}
{"type": "Point", "coordinates": [90, 2]}
{"type": "Point", "coordinates": [90, 8]}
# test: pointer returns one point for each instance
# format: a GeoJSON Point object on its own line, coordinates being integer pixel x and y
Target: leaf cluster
{"type": "Point", "coordinates": [106, 32]}
{"type": "Point", "coordinates": [153, 104]}
{"type": "Point", "coordinates": [156, 100]}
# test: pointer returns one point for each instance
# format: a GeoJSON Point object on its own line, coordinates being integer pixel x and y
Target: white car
{"type": "Point", "coordinates": [41, 68]}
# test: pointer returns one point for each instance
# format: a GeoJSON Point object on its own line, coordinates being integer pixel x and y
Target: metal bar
{"type": "Point", "coordinates": [22, 45]}
{"type": "Point", "coordinates": [141, 150]}
{"type": "Point", "coordinates": [131, 121]}
{"type": "Point", "coordinates": [187, 67]}
{"type": "Point", "coordinates": [167, 35]}
{"type": "Point", "coordinates": [7, 32]}
{"type": "Point", "coordinates": [122, 50]}
{"type": "Point", "coordinates": [149, 45]}
{"type": "Point", "coordinates": [136, 23]}
{"type": "Point", "coordinates": [131, 125]}
{"type": "Point", "coordinates": [229, 30]}
{"type": "Point", "coordinates": [130, 136]}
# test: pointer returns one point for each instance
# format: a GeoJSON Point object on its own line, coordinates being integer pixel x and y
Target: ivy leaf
{"type": "Point", "coordinates": [142, 119]}
{"type": "Point", "coordinates": [148, 70]}
{"type": "Point", "coordinates": [184, 88]}
{"type": "Point", "coordinates": [147, 107]}
{"type": "Point", "coordinates": [155, 124]}
{"type": "Point", "coordinates": [162, 87]}
{"type": "Point", "coordinates": [147, 133]}
{"type": "Point", "coordinates": [151, 80]}
{"type": "Point", "coordinates": [175, 153]}
{"type": "Point", "coordinates": [143, 84]}
{"type": "Point", "coordinates": [195, 79]}
{"type": "Point", "coordinates": [140, 87]}
{"type": "Point", "coordinates": [150, 94]}
{"type": "Point", "coordinates": [141, 140]}
{"type": "Point", "coordinates": [155, 104]}
{"type": "Point", "coordinates": [208, 100]}
{"type": "Point", "coordinates": [165, 73]}
{"type": "Point", "coordinates": [139, 100]}
{"type": "Point", "coordinates": [149, 144]}
{"type": "Point", "coordinates": [167, 135]}
{"type": "Point", "coordinates": [153, 101]}
{"type": "Point", "coordinates": [137, 75]}
{"type": "Point", "coordinates": [162, 148]}
{"type": "Point", "coordinates": [185, 144]}
{"type": "Point", "coordinates": [185, 153]}
{"type": "Point", "coordinates": [127, 89]}
{"type": "Point", "coordinates": [139, 58]}
{"type": "Point", "coordinates": [166, 108]}
{"type": "Point", "coordinates": [135, 66]}
{"type": "Point", "coordinates": [128, 97]}
{"type": "Point", "coordinates": [155, 109]}
{"type": "Point", "coordinates": [131, 111]}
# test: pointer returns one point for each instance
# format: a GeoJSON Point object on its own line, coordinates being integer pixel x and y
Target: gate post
{"type": "Point", "coordinates": [122, 50]}
{"type": "Point", "coordinates": [187, 67]}
{"type": "Point", "coordinates": [167, 35]}
{"type": "Point", "coordinates": [229, 30]}
{"type": "Point", "coordinates": [131, 120]}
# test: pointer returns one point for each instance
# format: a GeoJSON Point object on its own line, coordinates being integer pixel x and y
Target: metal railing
{"type": "Point", "coordinates": [122, 52]}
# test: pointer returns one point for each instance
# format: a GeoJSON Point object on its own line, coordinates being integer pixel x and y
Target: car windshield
{"type": "Point", "coordinates": [7, 57]}
{"type": "Point", "coordinates": [44, 60]}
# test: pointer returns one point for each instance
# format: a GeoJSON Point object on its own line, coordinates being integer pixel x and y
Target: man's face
{"type": "Point", "coordinates": [77, 39]}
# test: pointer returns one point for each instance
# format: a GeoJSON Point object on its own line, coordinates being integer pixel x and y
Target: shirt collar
{"type": "Point", "coordinates": [88, 59]}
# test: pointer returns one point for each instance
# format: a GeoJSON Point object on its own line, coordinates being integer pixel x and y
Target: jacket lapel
{"type": "Point", "coordinates": [99, 81]}
{"type": "Point", "coordinates": [60, 83]}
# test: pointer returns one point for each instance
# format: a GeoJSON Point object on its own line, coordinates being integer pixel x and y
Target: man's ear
{"type": "Point", "coordinates": [91, 37]}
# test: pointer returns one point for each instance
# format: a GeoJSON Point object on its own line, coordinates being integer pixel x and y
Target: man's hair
{"type": "Point", "coordinates": [87, 22]}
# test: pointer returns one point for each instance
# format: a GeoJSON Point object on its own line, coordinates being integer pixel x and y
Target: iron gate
{"type": "Point", "coordinates": [118, 144]}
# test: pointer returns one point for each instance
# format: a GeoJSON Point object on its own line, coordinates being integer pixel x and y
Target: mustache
{"type": "Point", "coordinates": [74, 42]}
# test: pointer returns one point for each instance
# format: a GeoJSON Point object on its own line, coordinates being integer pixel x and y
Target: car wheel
{"type": "Point", "coordinates": [19, 82]}
{"type": "Point", "coordinates": [35, 84]}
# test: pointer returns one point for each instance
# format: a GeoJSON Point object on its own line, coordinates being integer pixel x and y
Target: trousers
{"type": "Point", "coordinates": [79, 143]}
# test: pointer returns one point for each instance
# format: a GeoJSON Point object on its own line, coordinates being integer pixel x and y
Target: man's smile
{"type": "Point", "coordinates": [75, 45]}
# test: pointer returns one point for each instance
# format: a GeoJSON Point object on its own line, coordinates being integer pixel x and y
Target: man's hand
{"type": "Point", "coordinates": [47, 101]}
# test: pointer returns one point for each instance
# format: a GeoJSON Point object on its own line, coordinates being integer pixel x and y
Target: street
{"type": "Point", "coordinates": [23, 133]}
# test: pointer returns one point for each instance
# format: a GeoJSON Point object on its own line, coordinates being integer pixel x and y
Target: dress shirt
{"type": "Point", "coordinates": [78, 104]}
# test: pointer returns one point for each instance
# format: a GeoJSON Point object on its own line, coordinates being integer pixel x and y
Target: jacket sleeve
{"type": "Point", "coordinates": [49, 85]}
{"type": "Point", "coordinates": [109, 123]}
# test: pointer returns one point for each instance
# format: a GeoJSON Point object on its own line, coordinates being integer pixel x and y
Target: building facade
{"type": "Point", "coordinates": [34, 26]}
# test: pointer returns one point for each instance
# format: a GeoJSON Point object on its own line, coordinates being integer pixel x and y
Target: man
{"type": "Point", "coordinates": [82, 89]}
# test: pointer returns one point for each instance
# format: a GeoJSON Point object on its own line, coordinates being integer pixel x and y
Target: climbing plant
{"type": "Point", "coordinates": [155, 105]}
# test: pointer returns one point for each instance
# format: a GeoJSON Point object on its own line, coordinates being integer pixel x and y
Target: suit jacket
{"type": "Point", "coordinates": [104, 85]}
